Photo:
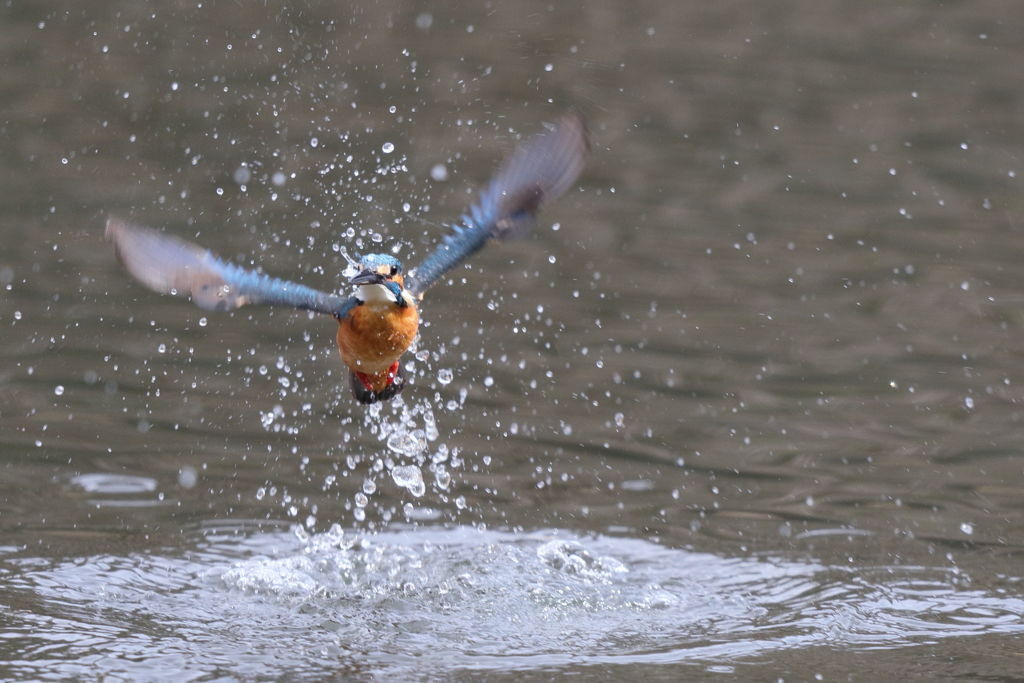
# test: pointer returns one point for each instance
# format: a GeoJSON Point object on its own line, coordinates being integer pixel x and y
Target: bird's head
{"type": "Point", "coordinates": [380, 278]}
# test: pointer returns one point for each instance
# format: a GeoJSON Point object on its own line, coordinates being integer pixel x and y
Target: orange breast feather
{"type": "Point", "coordinates": [375, 335]}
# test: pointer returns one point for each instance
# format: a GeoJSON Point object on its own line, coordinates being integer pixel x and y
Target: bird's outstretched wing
{"type": "Point", "coordinates": [541, 169]}
{"type": "Point", "coordinates": [169, 265]}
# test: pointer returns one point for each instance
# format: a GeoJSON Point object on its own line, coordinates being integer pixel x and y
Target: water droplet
{"type": "Point", "coordinates": [59, 390]}
{"type": "Point", "coordinates": [187, 477]}
{"type": "Point", "coordinates": [410, 478]}
{"type": "Point", "coordinates": [430, 427]}
{"type": "Point", "coordinates": [442, 478]}
{"type": "Point", "coordinates": [278, 178]}
{"type": "Point", "coordinates": [445, 376]}
{"type": "Point", "coordinates": [439, 173]}
{"type": "Point", "coordinates": [967, 528]}
{"type": "Point", "coordinates": [968, 403]}
{"type": "Point", "coordinates": [407, 442]}
{"type": "Point", "coordinates": [387, 148]}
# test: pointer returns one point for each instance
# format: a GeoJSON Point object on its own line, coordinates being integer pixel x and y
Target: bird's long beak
{"type": "Point", "coordinates": [367, 277]}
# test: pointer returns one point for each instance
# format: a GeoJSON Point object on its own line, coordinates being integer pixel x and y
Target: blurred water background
{"type": "Point", "coordinates": [749, 401]}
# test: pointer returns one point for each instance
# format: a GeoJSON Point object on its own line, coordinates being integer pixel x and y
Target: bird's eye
{"type": "Point", "coordinates": [394, 271]}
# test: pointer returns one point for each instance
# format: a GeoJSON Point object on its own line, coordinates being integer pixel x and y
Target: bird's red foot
{"type": "Point", "coordinates": [364, 385]}
{"type": "Point", "coordinates": [365, 380]}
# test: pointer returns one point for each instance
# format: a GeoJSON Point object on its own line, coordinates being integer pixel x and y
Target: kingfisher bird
{"type": "Point", "coordinates": [379, 320]}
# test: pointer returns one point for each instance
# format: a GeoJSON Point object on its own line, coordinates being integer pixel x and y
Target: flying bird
{"type": "Point", "coordinates": [379, 319]}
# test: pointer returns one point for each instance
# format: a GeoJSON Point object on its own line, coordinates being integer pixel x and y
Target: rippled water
{"type": "Point", "coordinates": [746, 403]}
{"type": "Point", "coordinates": [409, 601]}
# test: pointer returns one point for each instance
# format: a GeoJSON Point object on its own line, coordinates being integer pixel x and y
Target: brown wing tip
{"type": "Point", "coordinates": [115, 226]}
{"type": "Point", "coordinates": [113, 233]}
{"type": "Point", "coordinates": [574, 119]}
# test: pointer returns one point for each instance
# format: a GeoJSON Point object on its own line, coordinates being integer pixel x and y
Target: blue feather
{"type": "Point", "coordinates": [169, 265]}
{"type": "Point", "coordinates": [542, 169]}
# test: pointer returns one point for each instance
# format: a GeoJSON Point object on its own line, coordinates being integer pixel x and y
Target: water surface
{"type": "Point", "coordinates": [746, 403]}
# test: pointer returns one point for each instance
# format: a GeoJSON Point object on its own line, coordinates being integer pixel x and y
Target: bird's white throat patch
{"type": "Point", "coordinates": [375, 294]}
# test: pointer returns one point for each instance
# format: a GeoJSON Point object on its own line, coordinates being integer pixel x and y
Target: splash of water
{"type": "Point", "coordinates": [397, 441]}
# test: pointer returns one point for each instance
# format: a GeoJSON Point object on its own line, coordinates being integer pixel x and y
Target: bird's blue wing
{"type": "Point", "coordinates": [541, 169]}
{"type": "Point", "coordinates": [169, 265]}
